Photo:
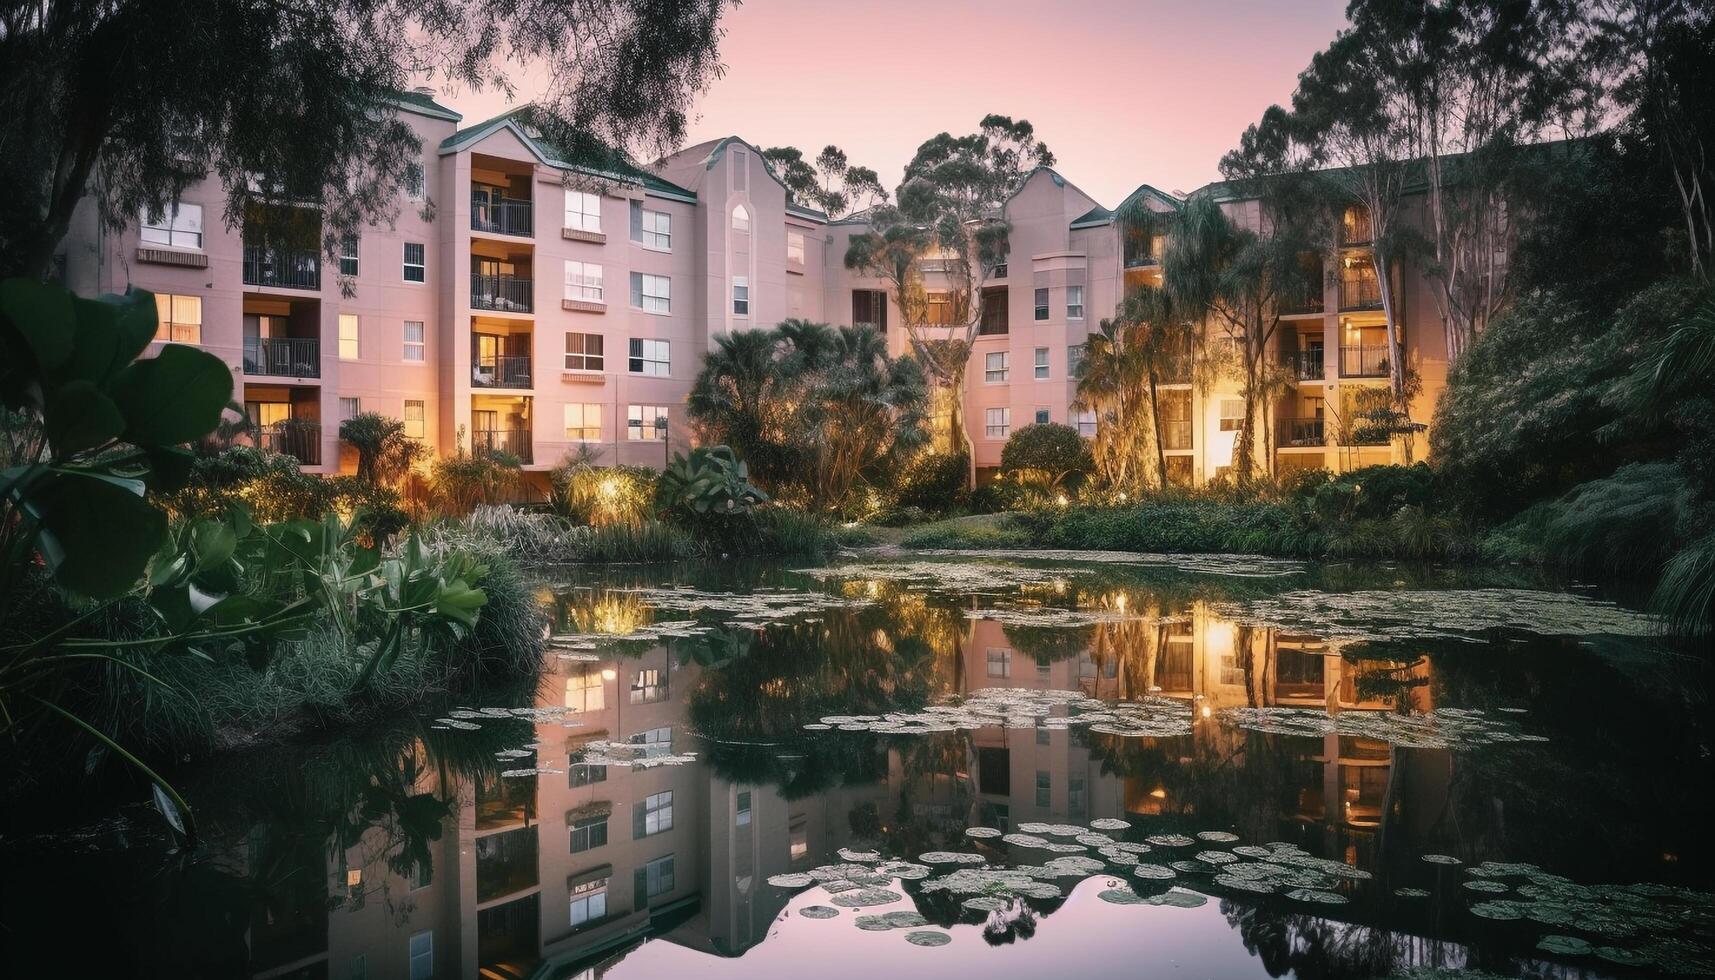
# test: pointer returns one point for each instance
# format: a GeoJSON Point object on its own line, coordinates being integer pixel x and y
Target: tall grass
{"type": "Point", "coordinates": [536, 538]}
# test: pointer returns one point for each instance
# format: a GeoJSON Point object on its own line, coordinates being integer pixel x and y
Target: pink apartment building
{"type": "Point", "coordinates": [547, 307]}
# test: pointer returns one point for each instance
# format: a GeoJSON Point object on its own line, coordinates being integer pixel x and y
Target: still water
{"type": "Point", "coordinates": [903, 765]}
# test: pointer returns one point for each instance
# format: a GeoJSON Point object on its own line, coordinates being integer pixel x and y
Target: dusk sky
{"type": "Point", "coordinates": [1123, 91]}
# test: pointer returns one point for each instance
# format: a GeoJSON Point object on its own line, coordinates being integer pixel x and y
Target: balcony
{"type": "Point", "coordinates": [1301, 433]}
{"type": "Point", "coordinates": [504, 442]}
{"type": "Point", "coordinates": [1175, 434]}
{"type": "Point", "coordinates": [1368, 361]}
{"type": "Point", "coordinates": [283, 357]}
{"type": "Point", "coordinates": [1303, 365]}
{"type": "Point", "coordinates": [1310, 305]}
{"type": "Point", "coordinates": [1355, 228]}
{"type": "Point", "coordinates": [300, 439]}
{"type": "Point", "coordinates": [287, 268]}
{"type": "Point", "coordinates": [1361, 292]}
{"type": "Point", "coordinates": [501, 216]}
{"type": "Point", "coordinates": [503, 294]}
{"type": "Point", "coordinates": [502, 371]}
{"type": "Point", "coordinates": [1143, 251]}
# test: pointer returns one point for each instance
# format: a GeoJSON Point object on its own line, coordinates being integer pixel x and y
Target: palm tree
{"type": "Point", "coordinates": [735, 399]}
{"type": "Point", "coordinates": [1125, 364]}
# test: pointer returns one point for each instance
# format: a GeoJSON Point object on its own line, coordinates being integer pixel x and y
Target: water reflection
{"type": "Point", "coordinates": [413, 854]}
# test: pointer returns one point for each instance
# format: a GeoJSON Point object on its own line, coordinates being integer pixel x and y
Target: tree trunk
{"type": "Point", "coordinates": [1155, 419]}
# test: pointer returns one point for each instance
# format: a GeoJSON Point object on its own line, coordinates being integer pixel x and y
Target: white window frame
{"type": "Point", "coordinates": [1044, 415]}
{"type": "Point", "coordinates": [1041, 302]}
{"type": "Point", "coordinates": [997, 367]}
{"type": "Point", "coordinates": [586, 282]}
{"type": "Point", "coordinates": [1085, 422]}
{"type": "Point", "coordinates": [350, 407]}
{"type": "Point", "coordinates": [795, 247]}
{"type": "Point", "coordinates": [654, 229]}
{"type": "Point", "coordinates": [583, 421]}
{"type": "Point", "coordinates": [999, 662]}
{"type": "Point", "coordinates": [1040, 366]}
{"type": "Point", "coordinates": [741, 219]}
{"type": "Point", "coordinates": [640, 422]}
{"type": "Point", "coordinates": [740, 296]}
{"type": "Point", "coordinates": [660, 877]}
{"type": "Point", "coordinates": [415, 351]}
{"type": "Point", "coordinates": [657, 813]}
{"type": "Point", "coordinates": [583, 356]}
{"type": "Point", "coordinates": [173, 318]}
{"type": "Point", "coordinates": [1232, 422]}
{"type": "Point", "coordinates": [180, 226]}
{"type": "Point", "coordinates": [583, 211]}
{"type": "Point", "coordinates": [350, 346]}
{"type": "Point", "coordinates": [659, 301]}
{"type": "Point", "coordinates": [649, 357]}
{"type": "Point", "coordinates": [350, 251]}
{"type": "Point", "coordinates": [416, 427]}
{"type": "Point", "coordinates": [1074, 302]}
{"type": "Point", "coordinates": [993, 429]}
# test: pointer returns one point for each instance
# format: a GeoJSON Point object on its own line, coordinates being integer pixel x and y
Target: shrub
{"type": "Point", "coordinates": [932, 481]}
{"type": "Point", "coordinates": [710, 482]}
{"type": "Point", "coordinates": [384, 452]}
{"type": "Point", "coordinates": [600, 496]}
{"type": "Point", "coordinates": [458, 483]}
{"type": "Point", "coordinates": [1047, 455]}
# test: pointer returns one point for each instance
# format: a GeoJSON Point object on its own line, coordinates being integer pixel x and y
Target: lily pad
{"type": "Point", "coordinates": [1564, 945]}
{"type": "Point", "coordinates": [818, 912]}
{"type": "Point", "coordinates": [928, 937]}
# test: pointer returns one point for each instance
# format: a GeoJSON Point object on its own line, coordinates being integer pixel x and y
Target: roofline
{"type": "Point", "coordinates": [463, 139]}
{"type": "Point", "coordinates": [438, 111]}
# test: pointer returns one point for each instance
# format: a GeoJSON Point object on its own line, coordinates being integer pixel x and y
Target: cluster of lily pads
{"type": "Point", "coordinates": [1241, 566]}
{"type": "Point", "coordinates": [1008, 707]}
{"type": "Point", "coordinates": [971, 578]}
{"type": "Point", "coordinates": [1459, 614]}
{"type": "Point", "coordinates": [629, 755]}
{"type": "Point", "coordinates": [580, 646]}
{"type": "Point", "coordinates": [758, 607]}
{"type": "Point", "coordinates": [1441, 728]}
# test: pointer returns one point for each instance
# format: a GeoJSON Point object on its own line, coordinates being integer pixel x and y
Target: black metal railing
{"type": "Point", "coordinates": [288, 268]}
{"type": "Point", "coordinates": [505, 294]}
{"type": "Point", "coordinates": [1303, 365]}
{"type": "Point", "coordinates": [1301, 432]}
{"type": "Point", "coordinates": [1140, 254]}
{"type": "Point", "coordinates": [1311, 303]}
{"type": "Point", "coordinates": [1360, 292]}
{"type": "Point", "coordinates": [284, 357]}
{"type": "Point", "coordinates": [506, 442]}
{"type": "Point", "coordinates": [1368, 361]}
{"type": "Point", "coordinates": [297, 438]}
{"type": "Point", "coordinates": [507, 216]}
{"type": "Point", "coordinates": [1175, 434]}
{"type": "Point", "coordinates": [505, 371]}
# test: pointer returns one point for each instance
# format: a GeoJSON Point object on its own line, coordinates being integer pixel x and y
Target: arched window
{"type": "Point", "coordinates": [740, 219]}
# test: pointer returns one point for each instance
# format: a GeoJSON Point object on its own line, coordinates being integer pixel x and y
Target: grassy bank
{"type": "Point", "coordinates": [537, 538]}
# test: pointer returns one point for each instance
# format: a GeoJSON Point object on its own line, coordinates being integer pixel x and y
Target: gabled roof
{"type": "Point", "coordinates": [709, 152]}
{"type": "Point", "coordinates": [1096, 217]}
{"type": "Point", "coordinates": [423, 104]}
{"type": "Point", "coordinates": [611, 164]}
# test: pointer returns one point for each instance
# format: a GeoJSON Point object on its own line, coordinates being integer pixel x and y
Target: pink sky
{"type": "Point", "coordinates": [1145, 91]}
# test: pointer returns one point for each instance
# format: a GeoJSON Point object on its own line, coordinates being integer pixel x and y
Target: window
{"type": "Point", "coordinates": [1074, 360]}
{"type": "Point", "coordinates": [583, 422]}
{"type": "Point", "coordinates": [422, 874]}
{"type": "Point", "coordinates": [1041, 735]}
{"type": "Point", "coordinates": [584, 691]}
{"type": "Point", "coordinates": [996, 368]}
{"type": "Point", "coordinates": [1086, 423]}
{"type": "Point", "coordinates": [422, 951]}
{"type": "Point", "coordinates": [414, 269]}
{"type": "Point", "coordinates": [654, 880]}
{"type": "Point", "coordinates": [1074, 303]}
{"type": "Point", "coordinates": [348, 256]}
{"type": "Point", "coordinates": [583, 211]}
{"type": "Point", "coordinates": [415, 418]}
{"type": "Point", "coordinates": [654, 814]}
{"type": "Point", "coordinates": [584, 352]}
{"type": "Point", "coordinates": [661, 738]}
{"type": "Point", "coordinates": [795, 247]}
{"type": "Point", "coordinates": [178, 319]}
{"type": "Point", "coordinates": [1042, 304]}
{"type": "Point", "coordinates": [740, 296]}
{"type": "Point", "coordinates": [349, 408]}
{"type": "Point", "coordinates": [1044, 786]}
{"type": "Point", "coordinates": [587, 834]}
{"type": "Point", "coordinates": [180, 226]}
{"type": "Point", "coordinates": [649, 357]}
{"type": "Point", "coordinates": [1232, 414]}
{"type": "Point", "coordinates": [651, 293]}
{"type": "Point", "coordinates": [648, 686]}
{"type": "Point", "coordinates": [1041, 365]}
{"type": "Point", "coordinates": [414, 181]}
{"type": "Point", "coordinates": [1076, 800]}
{"type": "Point", "coordinates": [348, 336]}
{"type": "Point", "coordinates": [1043, 416]}
{"type": "Point", "coordinates": [414, 342]}
{"type": "Point", "coordinates": [997, 422]}
{"type": "Point", "coordinates": [584, 282]}
{"type": "Point", "coordinates": [580, 774]}
{"type": "Point", "coordinates": [651, 229]}
{"type": "Point", "coordinates": [645, 421]}
{"type": "Point", "coordinates": [1000, 663]}
{"type": "Point", "coordinates": [940, 311]}
{"type": "Point", "coordinates": [743, 808]}
{"type": "Point", "coordinates": [740, 219]}
{"type": "Point", "coordinates": [869, 309]}
{"type": "Point", "coordinates": [589, 898]}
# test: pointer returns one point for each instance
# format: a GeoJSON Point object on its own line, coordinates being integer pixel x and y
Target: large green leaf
{"type": "Point", "coordinates": [174, 397]}
{"type": "Point", "coordinates": [135, 325]}
{"type": "Point", "coordinates": [42, 316]}
{"type": "Point", "coordinates": [95, 342]}
{"type": "Point", "coordinates": [80, 416]}
{"type": "Point", "coordinates": [97, 533]}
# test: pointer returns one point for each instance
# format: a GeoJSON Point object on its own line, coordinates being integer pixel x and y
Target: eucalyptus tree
{"type": "Point", "coordinates": [831, 183]}
{"type": "Point", "coordinates": [950, 210]}
{"type": "Point", "coordinates": [134, 100]}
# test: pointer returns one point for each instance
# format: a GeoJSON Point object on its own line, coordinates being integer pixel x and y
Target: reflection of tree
{"type": "Point", "coordinates": [1312, 948]}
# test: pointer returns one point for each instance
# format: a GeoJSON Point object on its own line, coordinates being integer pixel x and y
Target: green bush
{"type": "Point", "coordinates": [459, 483]}
{"type": "Point", "coordinates": [983, 531]}
{"type": "Point", "coordinates": [932, 481]}
{"type": "Point", "coordinates": [603, 495]}
{"type": "Point", "coordinates": [1047, 455]}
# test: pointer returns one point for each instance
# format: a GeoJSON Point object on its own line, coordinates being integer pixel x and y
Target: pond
{"type": "Point", "coordinates": [904, 764]}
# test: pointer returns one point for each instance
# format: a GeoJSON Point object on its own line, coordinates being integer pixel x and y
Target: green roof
{"type": "Point", "coordinates": [424, 104]}
{"type": "Point", "coordinates": [1095, 217]}
{"type": "Point", "coordinates": [597, 160]}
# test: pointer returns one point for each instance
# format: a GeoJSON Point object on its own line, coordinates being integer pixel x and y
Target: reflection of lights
{"type": "Point", "coordinates": [608, 489]}
{"type": "Point", "coordinates": [1061, 500]}
{"type": "Point", "coordinates": [1159, 794]}
{"type": "Point", "coordinates": [610, 674]}
{"type": "Point", "coordinates": [354, 877]}
{"type": "Point", "coordinates": [1207, 711]}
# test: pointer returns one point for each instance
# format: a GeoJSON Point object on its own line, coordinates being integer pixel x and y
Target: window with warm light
{"type": "Point", "coordinates": [583, 422]}
{"type": "Point", "coordinates": [584, 352]}
{"type": "Point", "coordinates": [584, 691]}
{"type": "Point", "coordinates": [416, 418]}
{"type": "Point", "coordinates": [178, 319]}
{"type": "Point", "coordinates": [348, 345]}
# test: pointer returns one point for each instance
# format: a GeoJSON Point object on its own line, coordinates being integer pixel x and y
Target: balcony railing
{"type": "Point", "coordinates": [1360, 292]}
{"type": "Point", "coordinates": [505, 294]}
{"type": "Point", "coordinates": [1303, 365]}
{"type": "Point", "coordinates": [509, 442]}
{"type": "Point", "coordinates": [283, 357]}
{"type": "Point", "coordinates": [505, 371]}
{"type": "Point", "coordinates": [298, 438]}
{"type": "Point", "coordinates": [507, 216]}
{"type": "Point", "coordinates": [1364, 362]}
{"type": "Point", "coordinates": [1298, 306]}
{"type": "Point", "coordinates": [1176, 434]}
{"type": "Point", "coordinates": [288, 268]}
{"type": "Point", "coordinates": [1301, 432]}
